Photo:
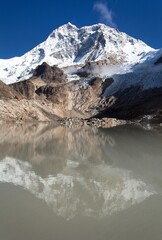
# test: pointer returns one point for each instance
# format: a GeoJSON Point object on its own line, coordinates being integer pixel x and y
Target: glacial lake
{"type": "Point", "coordinates": [59, 183]}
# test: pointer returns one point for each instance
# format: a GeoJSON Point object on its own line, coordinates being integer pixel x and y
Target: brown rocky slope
{"type": "Point", "coordinates": [48, 96]}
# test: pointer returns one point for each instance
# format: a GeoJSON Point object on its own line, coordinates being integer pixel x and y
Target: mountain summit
{"type": "Point", "coordinates": [84, 73]}
{"type": "Point", "coordinates": [69, 46]}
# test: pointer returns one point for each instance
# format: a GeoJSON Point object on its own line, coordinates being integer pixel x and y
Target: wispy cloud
{"type": "Point", "coordinates": [106, 14]}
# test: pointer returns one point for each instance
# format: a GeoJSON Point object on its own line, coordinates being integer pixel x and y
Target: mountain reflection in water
{"type": "Point", "coordinates": [82, 172]}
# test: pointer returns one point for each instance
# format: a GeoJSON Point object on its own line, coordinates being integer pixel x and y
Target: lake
{"type": "Point", "coordinates": [88, 183]}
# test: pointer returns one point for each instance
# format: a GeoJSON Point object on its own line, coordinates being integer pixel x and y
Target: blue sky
{"type": "Point", "coordinates": [26, 23]}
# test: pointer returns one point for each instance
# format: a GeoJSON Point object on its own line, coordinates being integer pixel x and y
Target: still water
{"type": "Point", "coordinates": [75, 184]}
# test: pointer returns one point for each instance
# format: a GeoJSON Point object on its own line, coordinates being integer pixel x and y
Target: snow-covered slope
{"type": "Point", "coordinates": [146, 74]}
{"type": "Point", "coordinates": [69, 45]}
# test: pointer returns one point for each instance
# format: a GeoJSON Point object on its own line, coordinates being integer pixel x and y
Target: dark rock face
{"type": "Point", "coordinates": [50, 74]}
{"type": "Point", "coordinates": [134, 103]}
{"type": "Point", "coordinates": [43, 75]}
{"type": "Point", "coordinates": [46, 90]}
{"type": "Point", "coordinates": [26, 88]}
{"type": "Point", "coordinates": [159, 61]}
{"type": "Point", "coordinates": [6, 92]}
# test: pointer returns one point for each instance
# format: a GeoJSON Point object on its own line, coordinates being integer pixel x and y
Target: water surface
{"type": "Point", "coordinates": [61, 183]}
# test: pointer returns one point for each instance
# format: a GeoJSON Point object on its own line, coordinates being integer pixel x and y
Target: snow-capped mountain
{"type": "Point", "coordinates": [69, 45]}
